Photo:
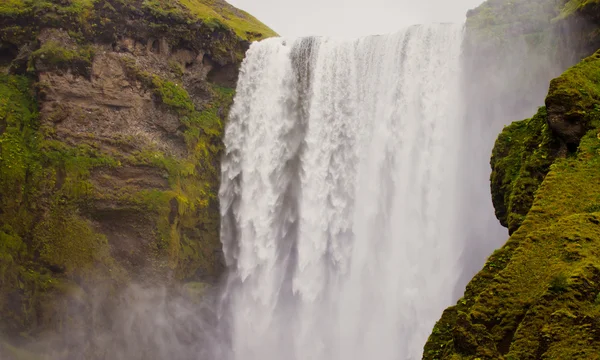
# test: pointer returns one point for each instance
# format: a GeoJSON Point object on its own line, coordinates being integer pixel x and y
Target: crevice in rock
{"type": "Point", "coordinates": [504, 344]}
{"type": "Point", "coordinates": [222, 75]}
{"type": "Point", "coordinates": [8, 52]}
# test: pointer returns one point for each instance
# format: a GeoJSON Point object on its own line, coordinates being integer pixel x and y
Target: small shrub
{"type": "Point", "coordinates": [559, 283]}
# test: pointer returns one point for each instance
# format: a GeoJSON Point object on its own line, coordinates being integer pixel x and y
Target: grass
{"type": "Point", "coordinates": [537, 296]}
{"type": "Point", "coordinates": [244, 24]}
{"type": "Point", "coordinates": [215, 13]}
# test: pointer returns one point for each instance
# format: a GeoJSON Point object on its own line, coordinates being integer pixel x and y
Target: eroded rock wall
{"type": "Point", "coordinates": [111, 116]}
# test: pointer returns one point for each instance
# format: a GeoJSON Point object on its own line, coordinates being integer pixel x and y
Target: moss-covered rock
{"type": "Point", "coordinates": [212, 26]}
{"type": "Point", "coordinates": [110, 141]}
{"type": "Point", "coordinates": [521, 159]}
{"type": "Point", "coordinates": [536, 296]}
{"type": "Point", "coordinates": [573, 101]}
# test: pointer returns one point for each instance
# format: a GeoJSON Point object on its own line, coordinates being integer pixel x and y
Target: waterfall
{"type": "Point", "coordinates": [340, 195]}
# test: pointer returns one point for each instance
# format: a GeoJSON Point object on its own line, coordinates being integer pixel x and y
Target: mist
{"type": "Point", "coordinates": [139, 322]}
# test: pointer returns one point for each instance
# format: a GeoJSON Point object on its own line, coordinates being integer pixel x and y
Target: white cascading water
{"type": "Point", "coordinates": [339, 195]}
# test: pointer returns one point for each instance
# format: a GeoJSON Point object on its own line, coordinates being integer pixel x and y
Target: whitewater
{"type": "Point", "coordinates": [341, 196]}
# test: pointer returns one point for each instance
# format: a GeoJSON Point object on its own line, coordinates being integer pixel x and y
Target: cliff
{"type": "Point", "coordinates": [111, 115]}
{"type": "Point", "coordinates": [538, 297]}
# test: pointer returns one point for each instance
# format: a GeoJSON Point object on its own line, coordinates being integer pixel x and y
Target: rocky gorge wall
{"type": "Point", "coordinates": [111, 116]}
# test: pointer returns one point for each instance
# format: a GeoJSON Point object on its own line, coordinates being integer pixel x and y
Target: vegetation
{"type": "Point", "coordinates": [521, 159]}
{"type": "Point", "coordinates": [54, 56]}
{"type": "Point", "coordinates": [45, 241]}
{"type": "Point", "coordinates": [180, 22]}
{"type": "Point", "coordinates": [193, 179]}
{"type": "Point", "coordinates": [536, 296]}
{"type": "Point", "coordinates": [54, 201]}
{"type": "Point", "coordinates": [578, 6]}
{"type": "Point", "coordinates": [215, 13]}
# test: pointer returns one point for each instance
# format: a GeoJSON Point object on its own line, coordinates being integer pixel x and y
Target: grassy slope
{"type": "Point", "coordinates": [78, 13]}
{"type": "Point", "coordinates": [539, 295]}
{"type": "Point", "coordinates": [244, 24]}
{"type": "Point", "coordinates": [216, 13]}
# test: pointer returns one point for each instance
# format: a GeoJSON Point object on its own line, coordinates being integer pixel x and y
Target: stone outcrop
{"type": "Point", "coordinates": [111, 116]}
{"type": "Point", "coordinates": [538, 296]}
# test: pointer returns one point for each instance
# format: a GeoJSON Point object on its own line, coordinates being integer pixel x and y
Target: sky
{"type": "Point", "coordinates": [351, 18]}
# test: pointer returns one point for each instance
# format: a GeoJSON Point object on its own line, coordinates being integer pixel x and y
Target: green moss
{"type": "Point", "coordinates": [67, 241]}
{"type": "Point", "coordinates": [573, 100]}
{"type": "Point", "coordinates": [536, 297]}
{"type": "Point", "coordinates": [172, 94]}
{"type": "Point", "coordinates": [559, 283]}
{"type": "Point", "coordinates": [44, 239]}
{"type": "Point", "coordinates": [520, 160]}
{"type": "Point", "coordinates": [192, 238]}
{"type": "Point", "coordinates": [186, 23]}
{"type": "Point", "coordinates": [177, 69]}
{"type": "Point", "coordinates": [22, 19]}
{"type": "Point", "coordinates": [56, 57]}
{"type": "Point", "coordinates": [215, 13]}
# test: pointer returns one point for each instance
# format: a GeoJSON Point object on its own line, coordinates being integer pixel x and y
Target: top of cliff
{"type": "Point", "coordinates": [215, 13]}
{"type": "Point", "coordinates": [218, 13]}
{"type": "Point", "coordinates": [213, 26]}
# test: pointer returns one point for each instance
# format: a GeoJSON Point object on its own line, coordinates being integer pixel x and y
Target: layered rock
{"type": "Point", "coordinates": [111, 117]}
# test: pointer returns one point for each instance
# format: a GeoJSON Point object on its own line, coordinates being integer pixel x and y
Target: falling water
{"type": "Point", "coordinates": [339, 195]}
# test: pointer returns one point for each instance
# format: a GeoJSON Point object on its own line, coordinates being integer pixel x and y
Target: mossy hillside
{"type": "Point", "coordinates": [210, 26]}
{"type": "Point", "coordinates": [537, 296]}
{"type": "Point", "coordinates": [215, 13]}
{"type": "Point", "coordinates": [553, 33]}
{"type": "Point", "coordinates": [520, 160]}
{"type": "Point", "coordinates": [47, 193]}
{"type": "Point", "coordinates": [21, 20]}
{"type": "Point", "coordinates": [573, 101]}
{"type": "Point", "coordinates": [60, 188]}
{"type": "Point", "coordinates": [46, 243]}
{"type": "Point", "coordinates": [517, 25]}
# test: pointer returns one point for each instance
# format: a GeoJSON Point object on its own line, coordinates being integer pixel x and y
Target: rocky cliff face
{"type": "Point", "coordinates": [111, 114]}
{"type": "Point", "coordinates": [538, 296]}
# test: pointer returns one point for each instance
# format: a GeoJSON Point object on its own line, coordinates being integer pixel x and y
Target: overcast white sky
{"type": "Point", "coordinates": [351, 18]}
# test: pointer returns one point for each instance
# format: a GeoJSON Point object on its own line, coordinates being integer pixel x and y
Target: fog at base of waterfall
{"type": "Point", "coordinates": [340, 196]}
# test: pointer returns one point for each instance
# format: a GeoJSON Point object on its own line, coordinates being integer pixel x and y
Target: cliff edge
{"type": "Point", "coordinates": [538, 297]}
{"type": "Point", "coordinates": [111, 117]}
